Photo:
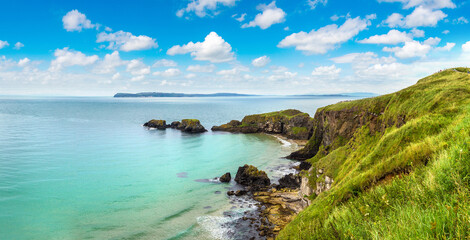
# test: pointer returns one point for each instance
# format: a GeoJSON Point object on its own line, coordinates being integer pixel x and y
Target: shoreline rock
{"type": "Point", "coordinates": [225, 178]}
{"type": "Point", "coordinates": [251, 177]}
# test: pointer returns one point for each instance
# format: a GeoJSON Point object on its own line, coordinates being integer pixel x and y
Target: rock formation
{"type": "Point", "coordinates": [225, 178]}
{"type": "Point", "coordinates": [186, 125]}
{"type": "Point", "coordinates": [158, 124]}
{"type": "Point", "coordinates": [250, 176]}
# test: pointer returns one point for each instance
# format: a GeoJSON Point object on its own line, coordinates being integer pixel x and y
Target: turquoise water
{"type": "Point", "coordinates": [85, 168]}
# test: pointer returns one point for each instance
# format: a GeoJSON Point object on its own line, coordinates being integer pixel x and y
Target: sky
{"type": "Point", "coordinates": [282, 47]}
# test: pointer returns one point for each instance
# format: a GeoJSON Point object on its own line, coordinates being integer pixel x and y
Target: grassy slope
{"type": "Point", "coordinates": [408, 182]}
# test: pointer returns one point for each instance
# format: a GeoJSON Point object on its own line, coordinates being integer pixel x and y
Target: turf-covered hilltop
{"type": "Point", "coordinates": [398, 165]}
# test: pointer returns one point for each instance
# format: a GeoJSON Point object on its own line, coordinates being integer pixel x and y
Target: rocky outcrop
{"type": "Point", "coordinates": [334, 127]}
{"type": "Point", "coordinates": [186, 125]}
{"type": "Point", "coordinates": [225, 178]}
{"type": "Point", "coordinates": [158, 124]}
{"type": "Point", "coordinates": [289, 181]}
{"type": "Point", "coordinates": [250, 176]}
{"type": "Point", "coordinates": [291, 123]}
{"type": "Point", "coordinates": [189, 126]}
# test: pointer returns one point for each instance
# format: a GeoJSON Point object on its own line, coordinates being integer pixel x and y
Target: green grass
{"type": "Point", "coordinates": [407, 182]}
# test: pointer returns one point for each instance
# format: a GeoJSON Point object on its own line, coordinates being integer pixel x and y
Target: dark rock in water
{"type": "Point", "coordinates": [249, 175]}
{"type": "Point", "coordinates": [230, 193]}
{"type": "Point", "coordinates": [158, 124]}
{"type": "Point", "coordinates": [217, 192]}
{"type": "Point", "coordinates": [290, 181]}
{"type": "Point", "coordinates": [305, 166]}
{"type": "Point", "coordinates": [189, 126]}
{"type": "Point", "coordinates": [239, 193]}
{"type": "Point", "coordinates": [182, 175]}
{"type": "Point", "coordinates": [225, 178]}
{"type": "Point", "coordinates": [207, 207]}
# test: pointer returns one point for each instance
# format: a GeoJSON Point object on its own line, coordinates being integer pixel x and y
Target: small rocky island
{"type": "Point", "coordinates": [186, 125]}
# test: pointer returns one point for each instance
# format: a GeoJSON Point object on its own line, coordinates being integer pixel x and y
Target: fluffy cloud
{"type": "Point", "coordinates": [420, 17]}
{"type": "Point", "coordinates": [126, 42]}
{"type": "Point", "coordinates": [66, 58]}
{"type": "Point", "coordinates": [137, 67]}
{"type": "Point", "coordinates": [466, 47]}
{"type": "Point", "coordinates": [432, 41]}
{"type": "Point", "coordinates": [460, 20]}
{"type": "Point", "coordinates": [171, 72]}
{"type": "Point", "coordinates": [314, 3]}
{"type": "Point", "coordinates": [270, 15]}
{"type": "Point", "coordinates": [447, 47]}
{"type": "Point", "coordinates": [410, 50]}
{"type": "Point", "coordinates": [432, 4]}
{"type": "Point", "coordinates": [76, 21]}
{"type": "Point", "coordinates": [241, 18]}
{"type": "Point", "coordinates": [234, 71]}
{"type": "Point", "coordinates": [261, 61]}
{"type": "Point", "coordinates": [165, 63]}
{"type": "Point", "coordinates": [3, 44]}
{"type": "Point", "coordinates": [392, 37]}
{"type": "Point", "coordinates": [23, 62]}
{"type": "Point", "coordinates": [328, 72]}
{"type": "Point", "coordinates": [109, 63]}
{"type": "Point", "coordinates": [201, 68]}
{"type": "Point", "coordinates": [213, 49]}
{"type": "Point", "coordinates": [326, 38]}
{"type": "Point", "coordinates": [202, 7]}
{"type": "Point", "coordinates": [18, 45]}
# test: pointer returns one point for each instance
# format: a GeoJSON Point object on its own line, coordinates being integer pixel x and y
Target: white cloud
{"type": "Point", "coordinates": [417, 33]}
{"type": "Point", "coordinates": [201, 68]}
{"type": "Point", "coordinates": [466, 47]}
{"type": "Point", "coordinates": [432, 41]}
{"type": "Point", "coordinates": [445, 32]}
{"type": "Point", "coordinates": [326, 38]}
{"type": "Point", "coordinates": [3, 44]}
{"type": "Point", "coordinates": [241, 18]}
{"type": "Point", "coordinates": [171, 72]}
{"type": "Point", "coordinates": [23, 62]}
{"type": "Point", "coordinates": [392, 37]}
{"type": "Point", "coordinates": [410, 50]}
{"type": "Point", "coordinates": [270, 15]}
{"type": "Point", "coordinates": [432, 4]}
{"type": "Point", "coordinates": [334, 18]}
{"type": "Point", "coordinates": [137, 67]}
{"type": "Point", "coordinates": [126, 42]}
{"type": "Point", "coordinates": [137, 78]}
{"type": "Point", "coordinates": [420, 17]}
{"type": "Point", "coordinates": [66, 58]}
{"type": "Point", "coordinates": [234, 71]}
{"type": "Point", "coordinates": [116, 76]}
{"type": "Point", "coordinates": [18, 45]}
{"type": "Point", "coordinates": [328, 72]}
{"type": "Point", "coordinates": [213, 49]}
{"type": "Point", "coordinates": [76, 21]}
{"type": "Point", "coordinates": [261, 61]}
{"type": "Point", "coordinates": [202, 7]}
{"type": "Point", "coordinates": [447, 47]}
{"type": "Point", "coordinates": [190, 75]}
{"type": "Point", "coordinates": [109, 63]}
{"type": "Point", "coordinates": [165, 63]}
{"type": "Point", "coordinates": [314, 3]}
{"type": "Point", "coordinates": [460, 20]}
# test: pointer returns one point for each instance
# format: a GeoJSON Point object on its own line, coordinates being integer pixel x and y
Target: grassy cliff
{"type": "Point", "coordinates": [400, 164]}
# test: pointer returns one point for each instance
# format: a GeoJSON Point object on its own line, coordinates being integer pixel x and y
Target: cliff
{"type": "Point", "coordinates": [395, 166]}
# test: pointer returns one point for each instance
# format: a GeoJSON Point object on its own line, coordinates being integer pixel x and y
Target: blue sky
{"type": "Point", "coordinates": [202, 46]}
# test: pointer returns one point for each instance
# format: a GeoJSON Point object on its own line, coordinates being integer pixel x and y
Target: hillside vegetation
{"type": "Point", "coordinates": [400, 169]}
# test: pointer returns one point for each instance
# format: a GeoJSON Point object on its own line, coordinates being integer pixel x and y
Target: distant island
{"type": "Point", "coordinates": [162, 94]}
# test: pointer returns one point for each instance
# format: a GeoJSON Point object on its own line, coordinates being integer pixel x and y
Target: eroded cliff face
{"type": "Point", "coordinates": [291, 123]}
{"type": "Point", "coordinates": [333, 128]}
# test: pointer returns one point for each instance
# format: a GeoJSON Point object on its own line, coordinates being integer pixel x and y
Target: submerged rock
{"type": "Point", "coordinates": [249, 175]}
{"type": "Point", "coordinates": [225, 178]}
{"type": "Point", "coordinates": [158, 124]}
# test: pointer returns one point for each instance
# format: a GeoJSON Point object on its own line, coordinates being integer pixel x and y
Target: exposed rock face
{"type": "Point", "coordinates": [289, 181]}
{"type": "Point", "coordinates": [249, 175]}
{"type": "Point", "coordinates": [158, 124]}
{"type": "Point", "coordinates": [291, 123]}
{"type": "Point", "coordinates": [189, 126]}
{"type": "Point", "coordinates": [323, 186]}
{"type": "Point", "coordinates": [225, 178]}
{"type": "Point", "coordinates": [333, 128]}
{"type": "Point", "coordinates": [304, 166]}
{"type": "Point", "coordinates": [305, 189]}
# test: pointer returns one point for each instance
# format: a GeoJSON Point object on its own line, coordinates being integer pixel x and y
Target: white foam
{"type": "Point", "coordinates": [284, 142]}
{"type": "Point", "coordinates": [214, 225]}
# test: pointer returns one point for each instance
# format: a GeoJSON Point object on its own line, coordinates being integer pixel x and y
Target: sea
{"type": "Point", "coordinates": [86, 168]}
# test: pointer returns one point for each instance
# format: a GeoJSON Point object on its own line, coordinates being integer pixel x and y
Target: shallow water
{"type": "Point", "coordinates": [85, 168]}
